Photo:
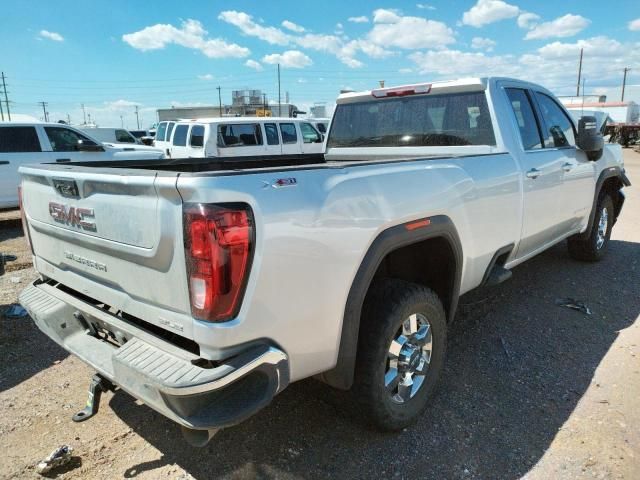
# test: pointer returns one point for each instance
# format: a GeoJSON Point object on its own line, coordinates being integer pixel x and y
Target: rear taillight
{"type": "Point", "coordinates": [25, 225]}
{"type": "Point", "coordinates": [219, 243]}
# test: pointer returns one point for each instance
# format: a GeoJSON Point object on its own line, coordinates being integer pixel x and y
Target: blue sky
{"type": "Point", "coordinates": [114, 55]}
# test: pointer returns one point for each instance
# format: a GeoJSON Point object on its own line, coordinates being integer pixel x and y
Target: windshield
{"type": "Point", "coordinates": [419, 121]}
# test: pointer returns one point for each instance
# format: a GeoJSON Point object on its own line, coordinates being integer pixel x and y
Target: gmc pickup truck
{"type": "Point", "coordinates": [203, 287]}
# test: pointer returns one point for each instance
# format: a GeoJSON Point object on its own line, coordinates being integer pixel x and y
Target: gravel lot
{"type": "Point", "coordinates": [530, 390]}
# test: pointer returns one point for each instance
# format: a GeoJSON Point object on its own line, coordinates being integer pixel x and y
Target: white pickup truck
{"type": "Point", "coordinates": [205, 288]}
{"type": "Point", "coordinates": [22, 143]}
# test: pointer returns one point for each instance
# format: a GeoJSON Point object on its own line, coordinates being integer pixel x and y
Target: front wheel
{"type": "Point", "coordinates": [594, 247]}
{"type": "Point", "coordinates": [401, 352]}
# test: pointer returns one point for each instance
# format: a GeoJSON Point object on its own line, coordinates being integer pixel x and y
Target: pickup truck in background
{"type": "Point", "coordinates": [205, 287]}
{"type": "Point", "coordinates": [22, 143]}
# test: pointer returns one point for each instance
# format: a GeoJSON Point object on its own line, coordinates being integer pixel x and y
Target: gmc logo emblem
{"type": "Point", "coordinates": [74, 216]}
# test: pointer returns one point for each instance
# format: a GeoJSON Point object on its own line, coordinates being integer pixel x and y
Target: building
{"type": "Point", "coordinates": [619, 112]}
{"type": "Point", "coordinates": [238, 110]}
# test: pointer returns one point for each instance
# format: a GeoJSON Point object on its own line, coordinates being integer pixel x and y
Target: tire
{"type": "Point", "coordinates": [594, 247]}
{"type": "Point", "coordinates": [387, 305]}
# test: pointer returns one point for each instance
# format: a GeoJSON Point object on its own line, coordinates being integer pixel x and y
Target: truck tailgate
{"type": "Point", "coordinates": [114, 236]}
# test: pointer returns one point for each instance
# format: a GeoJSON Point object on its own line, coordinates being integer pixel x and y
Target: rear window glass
{"type": "Point", "coordinates": [180, 136]}
{"type": "Point", "coordinates": [197, 136]}
{"type": "Point", "coordinates": [19, 139]}
{"type": "Point", "coordinates": [424, 121]}
{"type": "Point", "coordinates": [162, 129]}
{"type": "Point", "coordinates": [239, 135]}
{"type": "Point", "coordinates": [272, 134]}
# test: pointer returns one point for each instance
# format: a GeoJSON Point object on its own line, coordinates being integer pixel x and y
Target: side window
{"type": "Point", "coordinates": [288, 131]}
{"type": "Point", "coordinates": [197, 136]}
{"type": "Point", "coordinates": [162, 129]}
{"type": "Point", "coordinates": [170, 126]}
{"type": "Point", "coordinates": [65, 140]}
{"type": "Point", "coordinates": [180, 136]}
{"type": "Point", "coordinates": [559, 128]}
{"type": "Point", "coordinates": [525, 118]}
{"type": "Point", "coordinates": [309, 134]}
{"type": "Point", "coordinates": [122, 136]}
{"type": "Point", "coordinates": [19, 139]}
{"type": "Point", "coordinates": [239, 135]}
{"type": "Point", "coordinates": [271, 131]}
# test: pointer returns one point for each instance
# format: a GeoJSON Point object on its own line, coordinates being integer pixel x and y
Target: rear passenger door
{"type": "Point", "coordinates": [272, 138]}
{"type": "Point", "coordinates": [290, 143]}
{"type": "Point", "coordinates": [542, 176]}
{"type": "Point", "coordinates": [19, 145]}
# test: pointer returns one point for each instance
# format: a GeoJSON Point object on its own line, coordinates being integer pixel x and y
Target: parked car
{"type": "Point", "coordinates": [230, 279]}
{"type": "Point", "coordinates": [111, 135]}
{"type": "Point", "coordinates": [22, 143]}
{"type": "Point", "coordinates": [145, 137]}
{"type": "Point", "coordinates": [243, 136]}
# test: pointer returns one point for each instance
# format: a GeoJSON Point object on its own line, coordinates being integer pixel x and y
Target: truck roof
{"type": "Point", "coordinates": [470, 84]}
{"type": "Point", "coordinates": [240, 120]}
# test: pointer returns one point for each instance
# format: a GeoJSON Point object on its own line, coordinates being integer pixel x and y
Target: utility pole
{"type": "Point", "coordinates": [137, 118]}
{"type": "Point", "coordinates": [219, 101]}
{"type": "Point", "coordinates": [68, 119]}
{"type": "Point", "coordinates": [579, 73]}
{"type": "Point", "coordinates": [6, 98]}
{"type": "Point", "coordinates": [264, 103]}
{"type": "Point", "coordinates": [279, 99]}
{"type": "Point", "coordinates": [121, 122]}
{"type": "Point", "coordinates": [1, 111]}
{"type": "Point", "coordinates": [624, 83]}
{"type": "Point", "coordinates": [44, 110]}
{"type": "Point", "coordinates": [84, 115]}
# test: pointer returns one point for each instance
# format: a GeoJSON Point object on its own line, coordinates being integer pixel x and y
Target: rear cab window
{"type": "Point", "coordinates": [19, 140]}
{"type": "Point", "coordinates": [239, 135]}
{"type": "Point", "coordinates": [449, 119]}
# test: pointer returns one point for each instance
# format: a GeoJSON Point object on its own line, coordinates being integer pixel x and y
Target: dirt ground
{"type": "Point", "coordinates": [531, 390]}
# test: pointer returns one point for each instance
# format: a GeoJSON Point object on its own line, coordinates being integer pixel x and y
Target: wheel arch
{"type": "Point", "coordinates": [611, 180]}
{"type": "Point", "coordinates": [439, 229]}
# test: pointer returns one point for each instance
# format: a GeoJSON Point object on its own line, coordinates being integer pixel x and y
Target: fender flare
{"type": "Point", "coordinates": [393, 238]}
{"type": "Point", "coordinates": [606, 174]}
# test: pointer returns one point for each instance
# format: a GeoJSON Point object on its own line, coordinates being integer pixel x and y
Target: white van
{"type": "Point", "coordinates": [163, 136]}
{"type": "Point", "coordinates": [243, 136]}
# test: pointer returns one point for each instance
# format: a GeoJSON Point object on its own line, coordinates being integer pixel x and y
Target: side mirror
{"type": "Point", "coordinates": [88, 146]}
{"type": "Point", "coordinates": [590, 138]}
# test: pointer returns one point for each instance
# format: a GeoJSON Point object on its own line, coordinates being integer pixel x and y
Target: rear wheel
{"type": "Point", "coordinates": [593, 247]}
{"type": "Point", "coordinates": [400, 353]}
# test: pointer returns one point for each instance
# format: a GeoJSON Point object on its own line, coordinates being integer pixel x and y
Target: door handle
{"type": "Point", "coordinates": [533, 173]}
{"type": "Point", "coordinates": [4, 162]}
{"type": "Point", "coordinates": [567, 166]}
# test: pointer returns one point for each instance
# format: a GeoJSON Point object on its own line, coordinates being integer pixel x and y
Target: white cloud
{"type": "Point", "coordinates": [528, 20]}
{"type": "Point", "coordinates": [288, 59]}
{"type": "Point", "coordinates": [565, 26]}
{"type": "Point", "coordinates": [361, 19]}
{"type": "Point", "coordinates": [481, 43]}
{"type": "Point", "coordinates": [292, 26]}
{"type": "Point", "coordinates": [455, 63]}
{"type": "Point", "coordinates": [206, 76]}
{"type": "Point", "coordinates": [56, 37]}
{"type": "Point", "coordinates": [393, 30]}
{"type": "Point", "coordinates": [119, 105]}
{"type": "Point", "coordinates": [245, 23]}
{"type": "Point", "coordinates": [191, 34]}
{"type": "Point", "coordinates": [634, 25]}
{"type": "Point", "coordinates": [253, 64]}
{"type": "Point", "coordinates": [387, 15]}
{"type": "Point", "coordinates": [425, 6]}
{"type": "Point", "coordinates": [488, 11]}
